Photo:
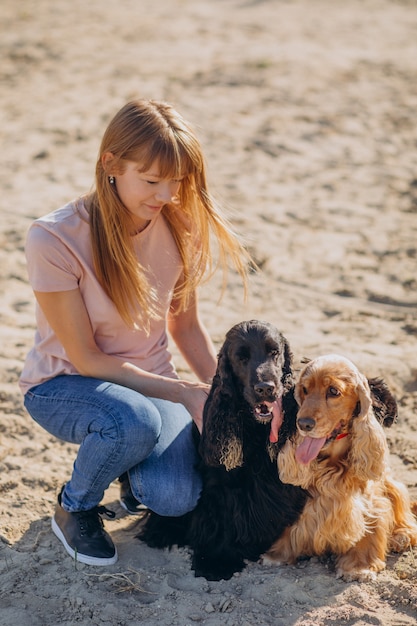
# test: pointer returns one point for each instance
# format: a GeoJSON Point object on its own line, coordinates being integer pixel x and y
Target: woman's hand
{"type": "Point", "coordinates": [193, 396]}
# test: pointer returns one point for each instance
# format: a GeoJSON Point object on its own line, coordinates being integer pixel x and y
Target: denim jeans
{"type": "Point", "coordinates": [119, 430]}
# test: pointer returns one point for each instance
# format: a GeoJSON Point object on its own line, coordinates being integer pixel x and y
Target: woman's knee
{"type": "Point", "coordinates": [137, 425]}
{"type": "Point", "coordinates": [74, 407]}
{"type": "Point", "coordinates": [167, 481]}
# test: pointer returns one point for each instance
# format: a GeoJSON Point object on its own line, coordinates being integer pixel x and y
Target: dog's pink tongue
{"type": "Point", "coordinates": [277, 417]}
{"type": "Point", "coordinates": [309, 449]}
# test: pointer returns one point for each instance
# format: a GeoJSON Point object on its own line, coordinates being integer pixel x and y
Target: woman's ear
{"type": "Point", "coordinates": [107, 160]}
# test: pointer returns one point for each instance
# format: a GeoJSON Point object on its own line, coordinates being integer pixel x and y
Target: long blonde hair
{"type": "Point", "coordinates": [147, 131]}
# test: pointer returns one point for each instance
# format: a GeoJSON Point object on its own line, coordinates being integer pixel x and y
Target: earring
{"type": "Point", "coordinates": [111, 180]}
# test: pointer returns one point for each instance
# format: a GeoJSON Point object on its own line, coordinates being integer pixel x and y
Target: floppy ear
{"type": "Point", "coordinates": [287, 372]}
{"type": "Point", "coordinates": [305, 371]}
{"type": "Point", "coordinates": [297, 393]}
{"type": "Point", "coordinates": [383, 402]}
{"type": "Point", "coordinates": [364, 395]}
{"type": "Point", "coordinates": [369, 446]}
{"type": "Point", "coordinates": [221, 439]}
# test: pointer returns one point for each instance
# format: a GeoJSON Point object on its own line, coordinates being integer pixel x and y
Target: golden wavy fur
{"type": "Point", "coordinates": [356, 510]}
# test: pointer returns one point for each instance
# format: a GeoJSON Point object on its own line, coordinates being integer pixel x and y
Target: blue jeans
{"type": "Point", "coordinates": [120, 430]}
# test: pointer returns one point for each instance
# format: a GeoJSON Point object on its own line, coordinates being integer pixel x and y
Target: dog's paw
{"type": "Point", "coordinates": [266, 560]}
{"type": "Point", "coordinates": [359, 575]}
{"type": "Point", "coordinates": [215, 569]}
{"type": "Point", "coordinates": [401, 541]}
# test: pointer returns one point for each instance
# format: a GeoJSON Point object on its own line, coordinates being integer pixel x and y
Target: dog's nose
{"type": "Point", "coordinates": [306, 423]}
{"type": "Point", "coordinates": [264, 389]}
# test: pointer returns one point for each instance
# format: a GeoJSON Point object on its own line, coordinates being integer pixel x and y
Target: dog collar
{"type": "Point", "coordinates": [341, 435]}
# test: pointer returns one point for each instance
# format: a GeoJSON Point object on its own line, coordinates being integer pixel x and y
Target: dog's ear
{"type": "Point", "coordinates": [224, 379]}
{"type": "Point", "coordinates": [297, 393]}
{"type": "Point", "coordinates": [369, 449]}
{"type": "Point", "coordinates": [383, 402]}
{"type": "Point", "coordinates": [305, 371]}
{"type": "Point", "coordinates": [221, 439]}
{"type": "Point", "coordinates": [290, 409]}
{"type": "Point", "coordinates": [299, 383]}
{"type": "Point", "coordinates": [287, 371]}
{"type": "Point", "coordinates": [364, 395]}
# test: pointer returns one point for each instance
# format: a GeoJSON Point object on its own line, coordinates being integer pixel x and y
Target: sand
{"type": "Point", "coordinates": [307, 114]}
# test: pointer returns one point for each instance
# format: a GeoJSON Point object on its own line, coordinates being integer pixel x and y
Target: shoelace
{"type": "Point", "coordinates": [91, 522]}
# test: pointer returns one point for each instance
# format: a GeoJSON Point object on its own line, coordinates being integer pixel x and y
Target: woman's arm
{"type": "Point", "coordinates": [193, 340]}
{"type": "Point", "coordinates": [66, 313]}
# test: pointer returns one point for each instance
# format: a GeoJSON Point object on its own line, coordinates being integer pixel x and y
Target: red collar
{"type": "Point", "coordinates": [341, 436]}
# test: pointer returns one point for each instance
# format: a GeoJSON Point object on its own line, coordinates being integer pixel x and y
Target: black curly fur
{"type": "Point", "coordinates": [244, 509]}
{"type": "Point", "coordinates": [383, 402]}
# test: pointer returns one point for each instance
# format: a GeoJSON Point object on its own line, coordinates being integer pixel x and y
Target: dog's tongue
{"type": "Point", "coordinates": [277, 417]}
{"type": "Point", "coordinates": [309, 449]}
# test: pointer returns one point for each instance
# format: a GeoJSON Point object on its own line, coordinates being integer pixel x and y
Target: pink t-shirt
{"type": "Point", "coordinates": [59, 258]}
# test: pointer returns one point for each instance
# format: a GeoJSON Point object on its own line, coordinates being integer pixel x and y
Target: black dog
{"type": "Point", "coordinates": [249, 414]}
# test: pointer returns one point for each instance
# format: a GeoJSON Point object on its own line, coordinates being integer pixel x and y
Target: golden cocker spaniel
{"type": "Point", "coordinates": [356, 510]}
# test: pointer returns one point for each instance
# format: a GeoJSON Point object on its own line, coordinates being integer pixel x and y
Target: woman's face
{"type": "Point", "coordinates": [144, 194]}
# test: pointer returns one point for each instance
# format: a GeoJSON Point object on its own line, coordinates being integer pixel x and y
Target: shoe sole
{"type": "Point", "coordinates": [82, 558]}
{"type": "Point", "coordinates": [141, 508]}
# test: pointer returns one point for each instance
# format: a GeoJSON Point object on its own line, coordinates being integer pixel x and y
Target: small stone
{"type": "Point", "coordinates": [225, 605]}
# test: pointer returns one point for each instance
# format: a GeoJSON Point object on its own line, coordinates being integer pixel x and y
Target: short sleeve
{"type": "Point", "coordinates": [51, 265]}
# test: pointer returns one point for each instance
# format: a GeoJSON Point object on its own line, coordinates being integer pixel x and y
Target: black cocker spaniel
{"type": "Point", "coordinates": [249, 414]}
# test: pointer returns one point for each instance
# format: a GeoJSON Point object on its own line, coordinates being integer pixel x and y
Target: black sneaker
{"type": "Point", "coordinates": [83, 535]}
{"type": "Point", "coordinates": [127, 499]}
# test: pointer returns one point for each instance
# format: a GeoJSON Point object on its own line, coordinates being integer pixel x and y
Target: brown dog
{"type": "Point", "coordinates": [356, 510]}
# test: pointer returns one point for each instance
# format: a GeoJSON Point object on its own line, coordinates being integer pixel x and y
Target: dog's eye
{"type": "Point", "coordinates": [274, 354]}
{"type": "Point", "coordinates": [333, 392]}
{"type": "Point", "coordinates": [305, 391]}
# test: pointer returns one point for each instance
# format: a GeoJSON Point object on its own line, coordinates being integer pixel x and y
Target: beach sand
{"type": "Point", "coordinates": [307, 114]}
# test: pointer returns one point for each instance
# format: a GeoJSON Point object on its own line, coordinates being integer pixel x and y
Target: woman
{"type": "Point", "coordinates": [113, 272]}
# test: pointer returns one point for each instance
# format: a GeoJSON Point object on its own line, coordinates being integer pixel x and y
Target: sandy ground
{"type": "Point", "coordinates": [307, 113]}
